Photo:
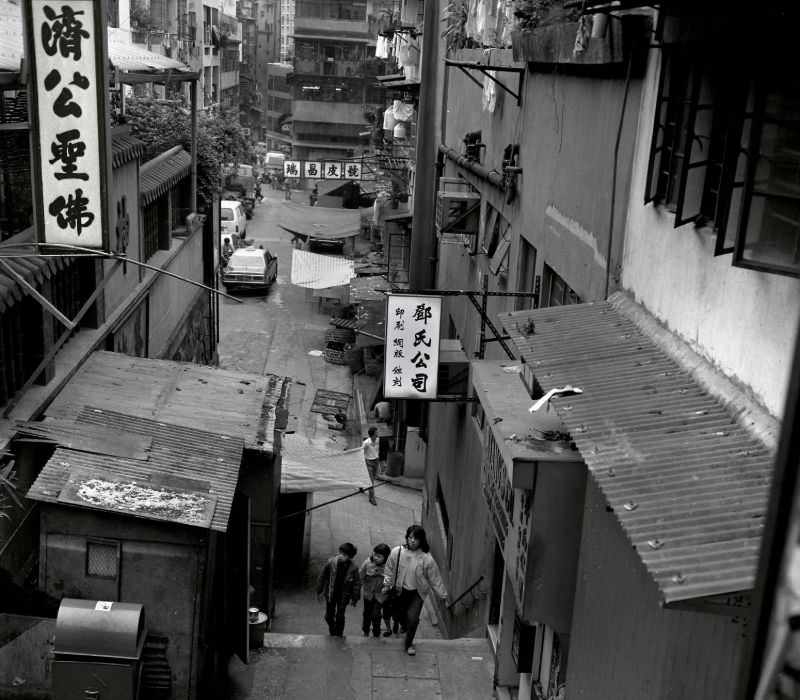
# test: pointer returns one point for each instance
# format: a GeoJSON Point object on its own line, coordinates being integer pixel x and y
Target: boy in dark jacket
{"type": "Point", "coordinates": [339, 584]}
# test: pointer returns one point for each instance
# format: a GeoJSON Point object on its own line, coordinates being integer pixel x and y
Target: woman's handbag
{"type": "Point", "coordinates": [391, 595]}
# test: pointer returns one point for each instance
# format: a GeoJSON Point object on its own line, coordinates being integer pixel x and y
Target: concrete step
{"type": "Point", "coordinates": [312, 641]}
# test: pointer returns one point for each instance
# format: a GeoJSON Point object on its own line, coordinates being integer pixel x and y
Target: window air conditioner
{"type": "Point", "coordinates": [458, 217]}
{"type": "Point", "coordinates": [458, 212]}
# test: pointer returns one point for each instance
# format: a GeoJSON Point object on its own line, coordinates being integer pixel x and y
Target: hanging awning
{"type": "Point", "coordinates": [320, 466]}
{"type": "Point", "coordinates": [323, 223]}
{"type": "Point", "coordinates": [316, 271]}
{"type": "Point", "coordinates": [123, 55]}
{"type": "Point", "coordinates": [688, 484]}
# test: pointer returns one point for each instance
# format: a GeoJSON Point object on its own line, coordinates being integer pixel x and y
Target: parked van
{"type": "Point", "coordinates": [233, 221]}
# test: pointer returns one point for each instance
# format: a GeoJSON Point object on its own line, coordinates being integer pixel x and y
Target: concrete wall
{"type": "Point", "coordinates": [191, 341]}
{"type": "Point", "coordinates": [743, 321]}
{"type": "Point", "coordinates": [26, 645]}
{"type": "Point", "coordinates": [556, 518]}
{"type": "Point", "coordinates": [624, 644]}
{"type": "Point", "coordinates": [454, 458]}
{"type": "Point", "coordinates": [125, 182]}
{"type": "Point", "coordinates": [170, 297]}
{"type": "Point", "coordinates": [567, 128]}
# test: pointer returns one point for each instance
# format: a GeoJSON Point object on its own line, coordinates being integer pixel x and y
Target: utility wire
{"type": "Point", "coordinates": [109, 255]}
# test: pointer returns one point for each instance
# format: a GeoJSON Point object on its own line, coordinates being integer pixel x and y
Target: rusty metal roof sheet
{"type": "Point", "coordinates": [181, 453]}
{"type": "Point", "coordinates": [687, 483]}
{"type": "Point", "coordinates": [210, 399]}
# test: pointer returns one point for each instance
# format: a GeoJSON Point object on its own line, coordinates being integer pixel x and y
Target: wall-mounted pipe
{"type": "Point", "coordinates": [490, 176]}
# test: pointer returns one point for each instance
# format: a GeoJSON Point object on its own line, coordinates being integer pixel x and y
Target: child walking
{"type": "Point", "coordinates": [339, 584]}
{"type": "Point", "coordinates": [371, 575]}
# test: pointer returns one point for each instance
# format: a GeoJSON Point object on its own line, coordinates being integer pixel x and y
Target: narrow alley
{"type": "Point", "coordinates": [298, 658]}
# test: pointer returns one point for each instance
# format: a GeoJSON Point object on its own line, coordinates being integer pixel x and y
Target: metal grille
{"type": "Point", "coordinates": [102, 559]}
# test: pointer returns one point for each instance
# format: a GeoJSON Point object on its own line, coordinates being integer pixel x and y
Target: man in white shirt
{"type": "Point", "coordinates": [371, 455]}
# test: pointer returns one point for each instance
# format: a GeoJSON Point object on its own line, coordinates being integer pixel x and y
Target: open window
{"type": "Point", "coordinates": [725, 153]}
{"type": "Point", "coordinates": [768, 236]}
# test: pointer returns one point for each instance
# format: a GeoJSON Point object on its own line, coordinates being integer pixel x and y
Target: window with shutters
{"type": "Point", "coordinates": [725, 154]}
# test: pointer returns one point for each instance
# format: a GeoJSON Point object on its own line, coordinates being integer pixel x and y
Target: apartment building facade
{"type": "Point", "coordinates": [638, 199]}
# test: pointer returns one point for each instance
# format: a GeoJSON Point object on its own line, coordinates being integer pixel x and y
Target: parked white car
{"type": "Point", "coordinates": [250, 268]}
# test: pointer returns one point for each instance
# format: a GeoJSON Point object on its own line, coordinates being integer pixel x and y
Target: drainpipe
{"type": "Point", "coordinates": [193, 178]}
{"type": "Point", "coordinates": [490, 176]}
{"type": "Point", "coordinates": [422, 263]}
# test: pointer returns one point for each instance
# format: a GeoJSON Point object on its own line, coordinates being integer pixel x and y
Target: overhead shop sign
{"type": "Point", "coordinates": [66, 43]}
{"type": "Point", "coordinates": [323, 169]}
{"type": "Point", "coordinates": [411, 358]}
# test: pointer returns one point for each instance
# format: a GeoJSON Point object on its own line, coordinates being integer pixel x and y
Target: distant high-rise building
{"type": "Point", "coordinates": [334, 78]}
{"type": "Point", "coordinates": [287, 29]}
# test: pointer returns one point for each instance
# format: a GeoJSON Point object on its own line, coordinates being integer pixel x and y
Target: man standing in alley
{"type": "Point", "coordinates": [371, 456]}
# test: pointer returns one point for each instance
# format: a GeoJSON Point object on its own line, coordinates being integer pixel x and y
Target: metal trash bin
{"type": "Point", "coordinates": [257, 623]}
{"type": "Point", "coordinates": [97, 650]}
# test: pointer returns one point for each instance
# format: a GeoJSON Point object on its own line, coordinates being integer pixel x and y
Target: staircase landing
{"type": "Point", "coordinates": [305, 666]}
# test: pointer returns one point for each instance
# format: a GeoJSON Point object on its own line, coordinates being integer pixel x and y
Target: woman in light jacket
{"type": "Point", "coordinates": [412, 570]}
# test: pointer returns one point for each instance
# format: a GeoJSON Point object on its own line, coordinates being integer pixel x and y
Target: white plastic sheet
{"type": "Point", "coordinates": [316, 271]}
{"type": "Point", "coordinates": [307, 466]}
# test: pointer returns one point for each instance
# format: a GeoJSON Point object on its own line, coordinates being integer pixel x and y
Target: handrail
{"type": "Point", "coordinates": [450, 606]}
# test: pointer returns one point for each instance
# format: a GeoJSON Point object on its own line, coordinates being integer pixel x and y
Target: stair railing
{"type": "Point", "coordinates": [468, 590]}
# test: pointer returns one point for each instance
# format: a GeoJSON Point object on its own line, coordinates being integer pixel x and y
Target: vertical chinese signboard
{"type": "Point", "coordinates": [66, 47]}
{"type": "Point", "coordinates": [411, 363]}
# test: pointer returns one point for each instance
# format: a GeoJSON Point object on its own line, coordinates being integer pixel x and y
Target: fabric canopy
{"type": "Point", "coordinates": [323, 223]}
{"type": "Point", "coordinates": [307, 466]}
{"type": "Point", "coordinates": [317, 271]}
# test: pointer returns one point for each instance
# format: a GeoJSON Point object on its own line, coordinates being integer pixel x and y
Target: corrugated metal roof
{"type": "Point", "coordinates": [160, 174]}
{"type": "Point", "coordinates": [131, 57]}
{"type": "Point", "coordinates": [688, 484]}
{"type": "Point", "coordinates": [210, 399]}
{"type": "Point", "coordinates": [176, 451]}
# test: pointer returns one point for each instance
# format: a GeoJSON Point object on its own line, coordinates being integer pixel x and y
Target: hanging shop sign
{"type": "Point", "coordinates": [312, 168]}
{"type": "Point", "coordinates": [411, 359]}
{"type": "Point", "coordinates": [66, 46]}
{"type": "Point", "coordinates": [324, 170]}
{"type": "Point", "coordinates": [291, 168]}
